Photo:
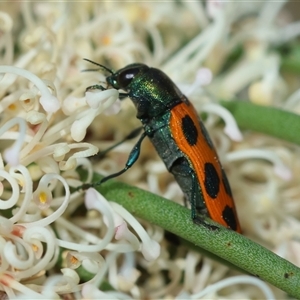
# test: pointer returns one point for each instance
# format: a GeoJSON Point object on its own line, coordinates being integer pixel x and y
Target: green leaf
{"type": "Point", "coordinates": [269, 120]}
{"type": "Point", "coordinates": [227, 244]}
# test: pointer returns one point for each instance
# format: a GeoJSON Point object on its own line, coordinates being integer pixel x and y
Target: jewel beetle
{"type": "Point", "coordinates": [173, 126]}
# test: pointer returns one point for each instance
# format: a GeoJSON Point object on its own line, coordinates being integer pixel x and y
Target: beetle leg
{"type": "Point", "coordinates": [134, 133]}
{"type": "Point", "coordinates": [123, 96]}
{"type": "Point", "coordinates": [102, 88]}
{"type": "Point", "coordinates": [133, 156]}
{"type": "Point", "coordinates": [187, 180]}
{"type": "Point", "coordinates": [95, 87]}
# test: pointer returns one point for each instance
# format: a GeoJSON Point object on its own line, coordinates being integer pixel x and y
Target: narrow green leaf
{"type": "Point", "coordinates": [269, 120]}
{"type": "Point", "coordinates": [227, 244]}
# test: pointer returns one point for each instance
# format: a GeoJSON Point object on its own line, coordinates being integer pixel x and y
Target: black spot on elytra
{"type": "Point", "coordinates": [229, 217]}
{"type": "Point", "coordinates": [189, 130]}
{"type": "Point", "coordinates": [211, 181]}
{"type": "Point", "coordinates": [206, 136]}
{"type": "Point", "coordinates": [226, 184]}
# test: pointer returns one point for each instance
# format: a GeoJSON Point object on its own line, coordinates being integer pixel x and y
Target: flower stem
{"type": "Point", "coordinates": [227, 244]}
{"type": "Point", "coordinates": [269, 120]}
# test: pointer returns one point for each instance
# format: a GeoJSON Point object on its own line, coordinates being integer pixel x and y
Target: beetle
{"type": "Point", "coordinates": [177, 133]}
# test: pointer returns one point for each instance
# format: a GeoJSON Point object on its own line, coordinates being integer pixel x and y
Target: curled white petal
{"type": "Point", "coordinates": [71, 274]}
{"type": "Point", "coordinates": [150, 248]}
{"type": "Point", "coordinates": [98, 101]}
{"type": "Point", "coordinates": [5, 204]}
{"type": "Point", "coordinates": [214, 8]}
{"type": "Point", "coordinates": [42, 197]}
{"type": "Point", "coordinates": [70, 164]}
{"type": "Point", "coordinates": [15, 285]}
{"type": "Point", "coordinates": [14, 259]}
{"type": "Point", "coordinates": [71, 104]}
{"type": "Point", "coordinates": [86, 163]}
{"type": "Point", "coordinates": [122, 232]}
{"type": "Point", "coordinates": [4, 263]}
{"type": "Point", "coordinates": [243, 279]}
{"type": "Point", "coordinates": [79, 127]}
{"type": "Point", "coordinates": [6, 22]}
{"type": "Point", "coordinates": [58, 284]}
{"type": "Point", "coordinates": [6, 226]}
{"type": "Point", "coordinates": [204, 77]}
{"type": "Point", "coordinates": [60, 151]}
{"type": "Point", "coordinates": [231, 128]}
{"type": "Point", "coordinates": [93, 200]}
{"type": "Point", "coordinates": [27, 194]}
{"type": "Point", "coordinates": [34, 117]}
{"type": "Point", "coordinates": [12, 154]}
{"type": "Point", "coordinates": [90, 291]}
{"type": "Point", "coordinates": [49, 102]}
{"type": "Point", "coordinates": [102, 98]}
{"type": "Point", "coordinates": [35, 139]}
{"type": "Point", "coordinates": [55, 215]}
{"type": "Point", "coordinates": [45, 236]}
{"type": "Point", "coordinates": [279, 168]}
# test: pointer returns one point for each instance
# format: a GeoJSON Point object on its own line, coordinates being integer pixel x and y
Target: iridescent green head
{"type": "Point", "coordinates": [151, 90]}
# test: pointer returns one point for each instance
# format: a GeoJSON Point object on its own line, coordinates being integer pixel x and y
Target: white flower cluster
{"type": "Point", "coordinates": [49, 240]}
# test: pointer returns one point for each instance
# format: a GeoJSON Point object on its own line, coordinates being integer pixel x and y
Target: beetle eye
{"type": "Point", "coordinates": [126, 76]}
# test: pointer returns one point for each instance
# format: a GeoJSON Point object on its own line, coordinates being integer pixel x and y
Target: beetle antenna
{"type": "Point", "coordinates": [101, 66]}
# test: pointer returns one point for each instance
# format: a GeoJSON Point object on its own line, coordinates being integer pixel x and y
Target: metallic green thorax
{"type": "Point", "coordinates": [152, 91]}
